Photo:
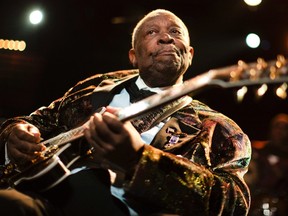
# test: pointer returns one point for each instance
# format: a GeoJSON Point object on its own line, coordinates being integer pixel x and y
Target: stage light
{"type": "Point", "coordinates": [253, 2]}
{"type": "Point", "coordinates": [252, 40]}
{"type": "Point", "coordinates": [12, 45]}
{"type": "Point", "coordinates": [35, 17]}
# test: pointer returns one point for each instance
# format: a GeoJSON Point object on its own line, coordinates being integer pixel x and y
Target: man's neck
{"type": "Point", "coordinates": [142, 85]}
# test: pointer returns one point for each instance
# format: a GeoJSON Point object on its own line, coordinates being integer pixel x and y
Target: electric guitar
{"type": "Point", "coordinates": [53, 165]}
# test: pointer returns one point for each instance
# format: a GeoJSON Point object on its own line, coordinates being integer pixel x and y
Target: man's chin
{"type": "Point", "coordinates": [169, 67]}
{"type": "Point", "coordinates": [161, 78]}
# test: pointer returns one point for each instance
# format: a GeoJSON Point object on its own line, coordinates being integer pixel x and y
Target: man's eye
{"type": "Point", "coordinates": [175, 31]}
{"type": "Point", "coordinates": [150, 32]}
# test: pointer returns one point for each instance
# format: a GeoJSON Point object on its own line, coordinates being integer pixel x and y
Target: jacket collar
{"type": "Point", "coordinates": [104, 92]}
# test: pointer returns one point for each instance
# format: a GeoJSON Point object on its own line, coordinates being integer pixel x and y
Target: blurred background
{"type": "Point", "coordinates": [71, 40]}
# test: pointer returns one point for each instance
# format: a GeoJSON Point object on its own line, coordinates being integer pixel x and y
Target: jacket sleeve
{"type": "Point", "coordinates": [43, 118]}
{"type": "Point", "coordinates": [49, 119]}
{"type": "Point", "coordinates": [70, 110]}
{"type": "Point", "coordinates": [209, 182]}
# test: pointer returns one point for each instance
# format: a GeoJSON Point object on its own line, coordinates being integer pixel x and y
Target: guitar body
{"type": "Point", "coordinates": [48, 172]}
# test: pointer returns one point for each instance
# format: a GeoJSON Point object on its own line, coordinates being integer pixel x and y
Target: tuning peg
{"type": "Point", "coordinates": [243, 71]}
{"type": "Point", "coordinates": [242, 64]}
{"type": "Point", "coordinates": [278, 68]}
{"type": "Point", "coordinates": [281, 91]}
{"type": "Point", "coordinates": [273, 72]}
{"type": "Point", "coordinates": [241, 93]}
{"type": "Point", "coordinates": [235, 74]}
{"type": "Point", "coordinates": [261, 64]}
{"type": "Point", "coordinates": [282, 65]}
{"type": "Point", "coordinates": [280, 61]}
{"type": "Point", "coordinates": [262, 90]}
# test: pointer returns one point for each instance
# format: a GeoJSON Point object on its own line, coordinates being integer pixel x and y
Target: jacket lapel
{"type": "Point", "coordinates": [105, 91]}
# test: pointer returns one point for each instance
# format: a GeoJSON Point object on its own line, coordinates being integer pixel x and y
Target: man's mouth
{"type": "Point", "coordinates": [166, 52]}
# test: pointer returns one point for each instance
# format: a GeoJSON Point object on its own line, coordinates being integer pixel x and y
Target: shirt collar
{"type": "Point", "coordinates": [141, 85]}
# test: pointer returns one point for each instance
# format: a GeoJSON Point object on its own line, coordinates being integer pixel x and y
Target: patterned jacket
{"type": "Point", "coordinates": [199, 174]}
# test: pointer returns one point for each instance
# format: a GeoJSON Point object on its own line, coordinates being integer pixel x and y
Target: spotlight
{"type": "Point", "coordinates": [252, 40]}
{"type": "Point", "coordinates": [35, 17]}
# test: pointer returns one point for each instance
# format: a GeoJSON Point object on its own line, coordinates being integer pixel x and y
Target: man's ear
{"type": "Point", "coordinates": [132, 57]}
{"type": "Point", "coordinates": [191, 51]}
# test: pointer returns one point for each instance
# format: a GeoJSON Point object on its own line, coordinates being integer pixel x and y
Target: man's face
{"type": "Point", "coordinates": [162, 51]}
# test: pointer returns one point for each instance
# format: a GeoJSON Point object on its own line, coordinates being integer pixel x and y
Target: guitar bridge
{"type": "Point", "coordinates": [48, 153]}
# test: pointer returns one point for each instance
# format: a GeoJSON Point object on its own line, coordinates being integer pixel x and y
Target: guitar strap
{"type": "Point", "coordinates": [148, 120]}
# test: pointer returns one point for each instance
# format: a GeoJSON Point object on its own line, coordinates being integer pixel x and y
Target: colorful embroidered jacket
{"type": "Point", "coordinates": [199, 174]}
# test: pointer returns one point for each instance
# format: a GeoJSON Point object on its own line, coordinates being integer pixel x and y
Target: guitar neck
{"type": "Point", "coordinates": [211, 79]}
{"type": "Point", "coordinates": [65, 137]}
{"type": "Point", "coordinates": [123, 115]}
{"type": "Point", "coordinates": [227, 77]}
{"type": "Point", "coordinates": [68, 136]}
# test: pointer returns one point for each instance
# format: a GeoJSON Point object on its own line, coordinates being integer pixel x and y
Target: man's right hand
{"type": "Point", "coordinates": [22, 143]}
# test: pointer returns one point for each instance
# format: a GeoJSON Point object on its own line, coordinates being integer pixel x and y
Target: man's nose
{"type": "Point", "coordinates": [165, 38]}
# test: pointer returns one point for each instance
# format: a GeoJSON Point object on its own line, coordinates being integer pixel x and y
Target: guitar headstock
{"type": "Point", "coordinates": [272, 70]}
{"type": "Point", "coordinates": [260, 73]}
{"type": "Point", "coordinates": [240, 75]}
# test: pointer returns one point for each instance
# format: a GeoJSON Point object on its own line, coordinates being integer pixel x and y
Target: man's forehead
{"type": "Point", "coordinates": [163, 20]}
{"type": "Point", "coordinates": [166, 19]}
{"type": "Point", "coordinates": [159, 17]}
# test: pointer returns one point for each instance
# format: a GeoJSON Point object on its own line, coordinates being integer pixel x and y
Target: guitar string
{"type": "Point", "coordinates": [66, 136]}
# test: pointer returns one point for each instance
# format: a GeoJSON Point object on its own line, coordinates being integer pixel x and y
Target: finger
{"type": "Point", "coordinates": [34, 131]}
{"type": "Point", "coordinates": [23, 145]}
{"type": "Point", "coordinates": [30, 148]}
{"type": "Point", "coordinates": [112, 110]}
{"type": "Point", "coordinates": [92, 127]}
{"type": "Point", "coordinates": [19, 157]}
{"type": "Point", "coordinates": [97, 133]}
{"type": "Point", "coordinates": [100, 132]}
{"type": "Point", "coordinates": [113, 123]}
{"type": "Point", "coordinates": [22, 131]}
{"type": "Point", "coordinates": [99, 147]}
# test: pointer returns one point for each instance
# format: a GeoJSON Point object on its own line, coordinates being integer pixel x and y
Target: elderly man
{"type": "Point", "coordinates": [190, 162]}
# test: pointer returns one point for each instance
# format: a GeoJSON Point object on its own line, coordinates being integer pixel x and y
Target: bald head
{"type": "Point", "coordinates": [161, 49]}
{"type": "Point", "coordinates": [151, 15]}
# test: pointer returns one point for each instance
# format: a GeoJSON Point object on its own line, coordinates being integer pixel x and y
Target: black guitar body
{"type": "Point", "coordinates": [49, 172]}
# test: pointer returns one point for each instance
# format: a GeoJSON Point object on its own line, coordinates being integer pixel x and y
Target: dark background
{"type": "Point", "coordinates": [80, 38]}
